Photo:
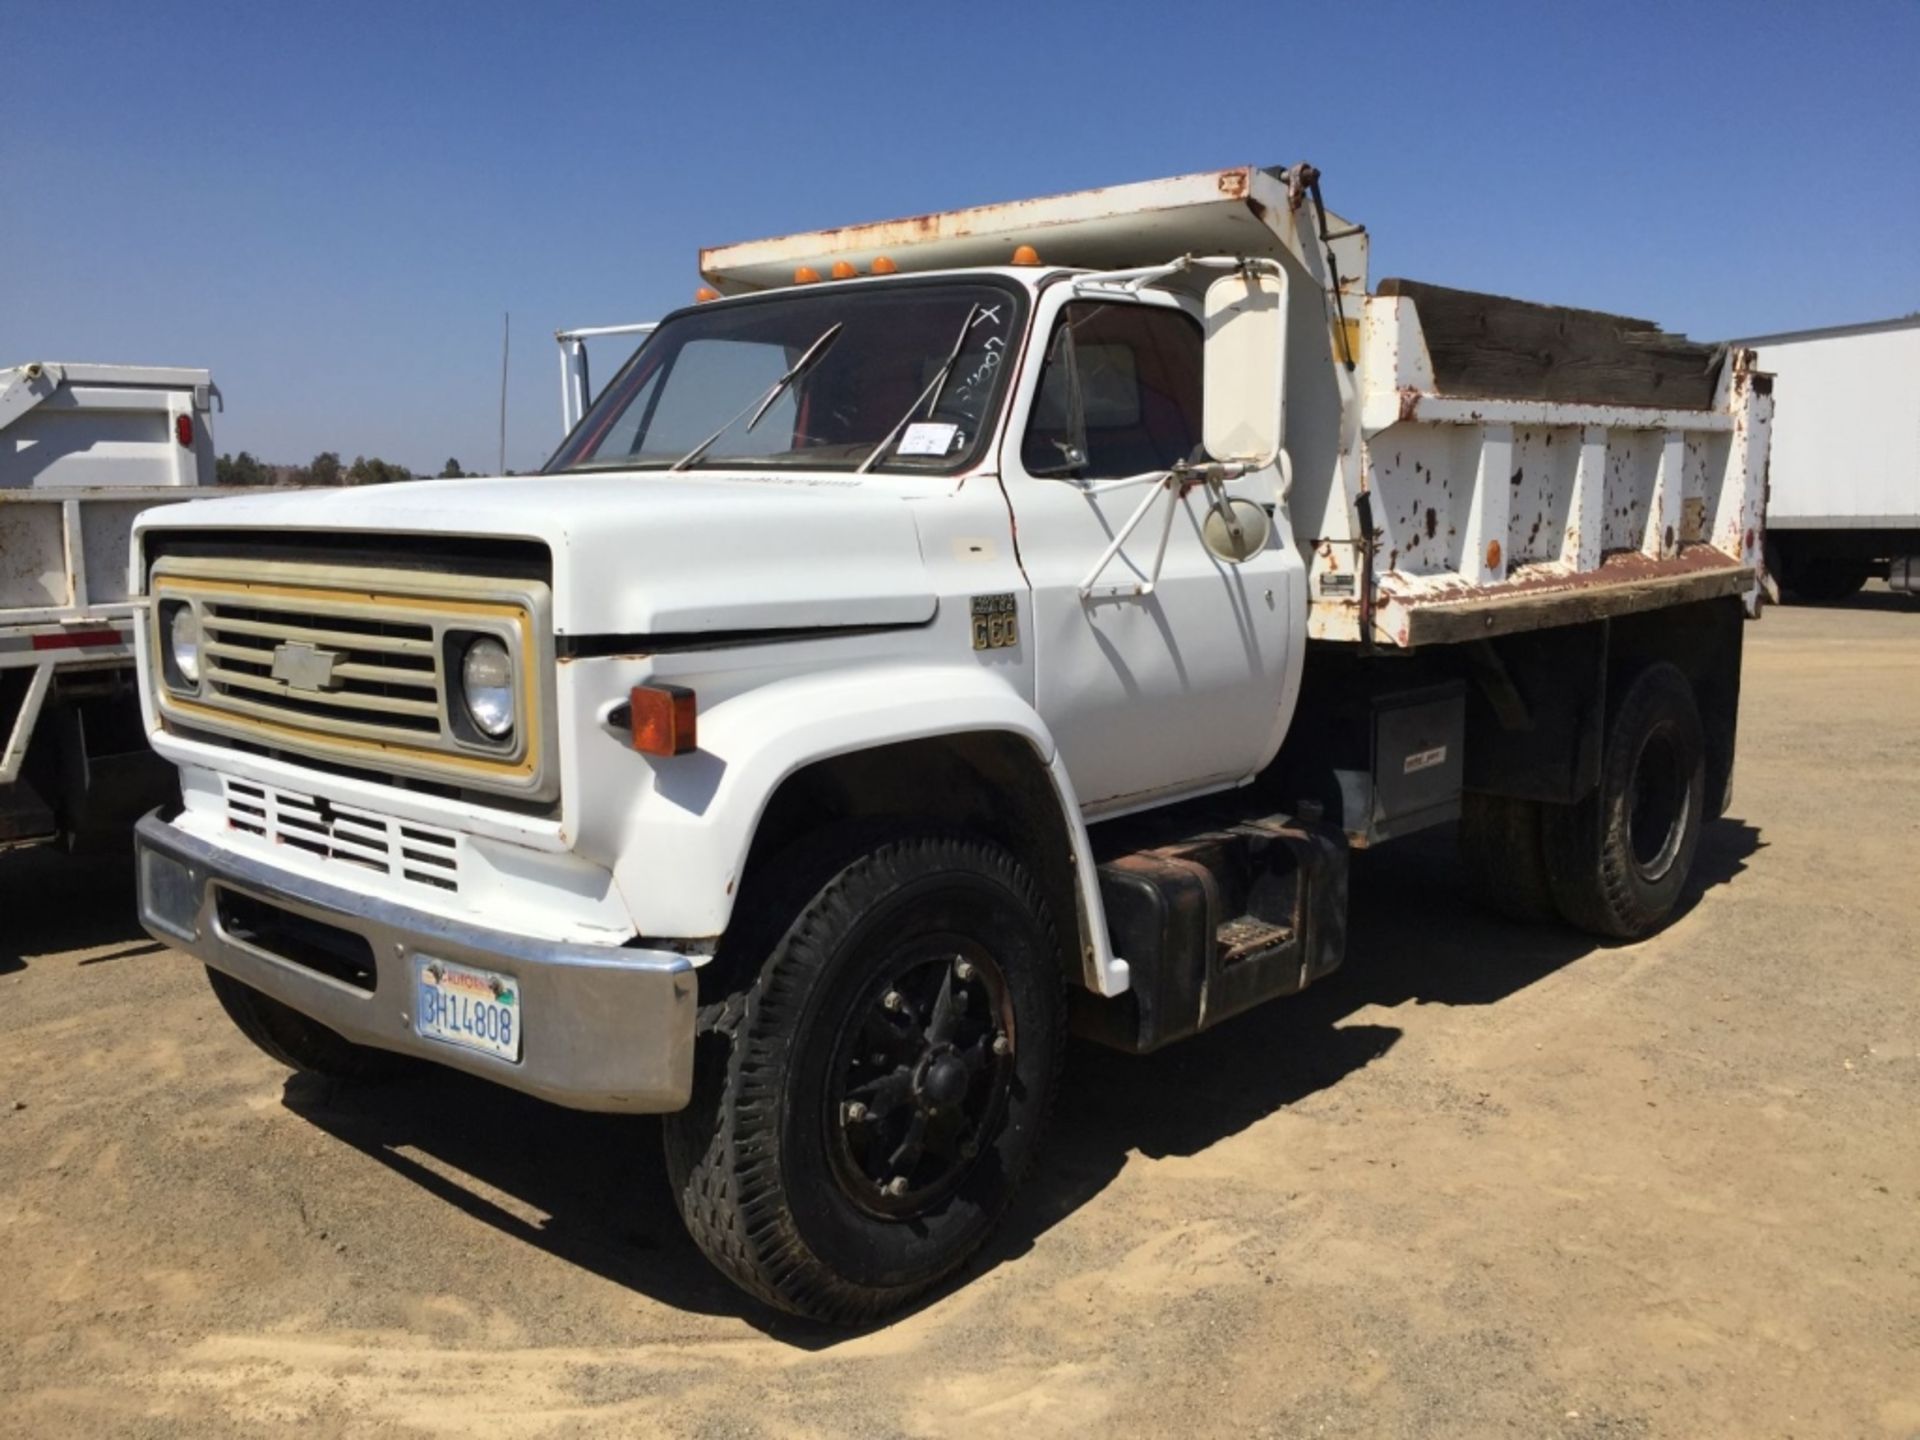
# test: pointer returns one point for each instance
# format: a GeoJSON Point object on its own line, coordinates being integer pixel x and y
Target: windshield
{"type": "Point", "coordinates": [707, 389]}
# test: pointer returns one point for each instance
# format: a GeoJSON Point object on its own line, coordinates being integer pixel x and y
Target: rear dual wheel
{"type": "Point", "coordinates": [867, 1103]}
{"type": "Point", "coordinates": [1614, 863]}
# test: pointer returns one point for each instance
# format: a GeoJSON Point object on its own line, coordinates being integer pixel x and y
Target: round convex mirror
{"type": "Point", "coordinates": [1236, 529]}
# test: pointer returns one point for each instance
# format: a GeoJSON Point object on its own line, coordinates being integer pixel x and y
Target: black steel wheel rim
{"type": "Point", "coordinates": [1658, 801]}
{"type": "Point", "coordinates": [920, 1076]}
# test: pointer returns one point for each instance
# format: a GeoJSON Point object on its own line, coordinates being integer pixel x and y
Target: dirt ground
{"type": "Point", "coordinates": [1488, 1180]}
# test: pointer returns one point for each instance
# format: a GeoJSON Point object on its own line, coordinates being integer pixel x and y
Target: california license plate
{"type": "Point", "coordinates": [474, 1009]}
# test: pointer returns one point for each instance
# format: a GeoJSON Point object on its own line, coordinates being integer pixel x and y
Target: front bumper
{"type": "Point", "coordinates": [605, 1028]}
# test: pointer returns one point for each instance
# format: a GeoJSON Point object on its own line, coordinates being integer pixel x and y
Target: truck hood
{"type": "Point", "coordinates": [645, 553]}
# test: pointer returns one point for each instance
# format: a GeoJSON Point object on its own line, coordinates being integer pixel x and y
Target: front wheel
{"type": "Point", "coordinates": [295, 1041]}
{"type": "Point", "coordinates": [862, 1119]}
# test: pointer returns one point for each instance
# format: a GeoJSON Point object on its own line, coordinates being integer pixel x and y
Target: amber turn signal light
{"type": "Point", "coordinates": [660, 719]}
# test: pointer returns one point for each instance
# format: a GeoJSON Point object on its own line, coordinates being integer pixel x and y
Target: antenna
{"type": "Point", "coordinates": [506, 337]}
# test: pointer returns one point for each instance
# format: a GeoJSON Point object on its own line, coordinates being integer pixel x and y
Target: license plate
{"type": "Point", "coordinates": [474, 1009]}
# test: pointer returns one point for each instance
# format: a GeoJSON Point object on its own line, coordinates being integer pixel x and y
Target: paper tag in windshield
{"type": "Point", "coordinates": [928, 438]}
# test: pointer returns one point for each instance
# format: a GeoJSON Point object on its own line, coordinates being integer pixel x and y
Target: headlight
{"type": "Point", "coordinates": [183, 643]}
{"type": "Point", "coordinates": [486, 682]}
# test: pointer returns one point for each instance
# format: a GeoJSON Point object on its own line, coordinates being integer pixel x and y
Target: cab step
{"type": "Point", "coordinates": [1215, 921]}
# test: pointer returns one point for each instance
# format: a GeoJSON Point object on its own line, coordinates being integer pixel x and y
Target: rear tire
{"type": "Point", "coordinates": [1618, 859]}
{"type": "Point", "coordinates": [1505, 857]}
{"type": "Point", "coordinates": [296, 1041]}
{"type": "Point", "coordinates": [856, 1129]}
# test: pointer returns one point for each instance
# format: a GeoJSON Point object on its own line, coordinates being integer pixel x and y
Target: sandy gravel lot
{"type": "Point", "coordinates": [1489, 1180]}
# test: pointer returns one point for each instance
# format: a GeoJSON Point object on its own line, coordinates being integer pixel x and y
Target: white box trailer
{"type": "Point", "coordinates": [1844, 482]}
{"type": "Point", "coordinates": [84, 449]}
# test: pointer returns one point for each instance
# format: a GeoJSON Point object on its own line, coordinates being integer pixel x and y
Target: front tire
{"type": "Point", "coordinates": [1619, 858]}
{"type": "Point", "coordinates": [867, 1106]}
{"type": "Point", "coordinates": [296, 1041]}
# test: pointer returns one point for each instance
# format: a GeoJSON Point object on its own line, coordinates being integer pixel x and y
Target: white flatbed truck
{"type": "Point", "coordinates": [1843, 500]}
{"type": "Point", "coordinates": [83, 450]}
{"type": "Point", "coordinates": [945, 631]}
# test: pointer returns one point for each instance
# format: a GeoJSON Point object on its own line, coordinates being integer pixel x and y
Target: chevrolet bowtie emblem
{"type": "Point", "coordinates": [305, 667]}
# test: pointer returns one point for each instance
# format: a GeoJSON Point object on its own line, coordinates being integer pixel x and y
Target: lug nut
{"type": "Point", "coordinates": [963, 971]}
{"type": "Point", "coordinates": [855, 1112]}
{"type": "Point", "coordinates": [892, 1000]}
{"type": "Point", "coordinates": [897, 1186]}
{"type": "Point", "coordinates": [1002, 1045]}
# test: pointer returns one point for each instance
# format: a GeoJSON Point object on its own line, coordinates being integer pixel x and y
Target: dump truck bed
{"type": "Point", "coordinates": [1529, 488]}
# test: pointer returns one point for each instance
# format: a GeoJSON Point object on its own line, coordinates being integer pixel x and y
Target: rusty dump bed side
{"type": "Point", "coordinates": [1520, 466]}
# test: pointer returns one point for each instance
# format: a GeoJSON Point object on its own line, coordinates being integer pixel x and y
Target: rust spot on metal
{"type": "Point", "coordinates": [1433, 522]}
{"type": "Point", "coordinates": [1409, 403]}
{"type": "Point", "coordinates": [1493, 554]}
{"type": "Point", "coordinates": [1234, 184]}
{"type": "Point", "coordinates": [1518, 475]}
{"type": "Point", "coordinates": [1667, 543]}
{"type": "Point", "coordinates": [1746, 541]}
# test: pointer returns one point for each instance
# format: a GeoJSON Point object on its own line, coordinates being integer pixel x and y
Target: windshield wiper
{"type": "Point", "coordinates": [934, 387]}
{"type": "Point", "coordinates": [759, 409]}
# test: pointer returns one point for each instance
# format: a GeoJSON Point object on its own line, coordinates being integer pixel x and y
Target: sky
{"type": "Point", "coordinates": [331, 206]}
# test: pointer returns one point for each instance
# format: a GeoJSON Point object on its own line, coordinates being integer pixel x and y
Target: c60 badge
{"type": "Point", "coordinates": [996, 622]}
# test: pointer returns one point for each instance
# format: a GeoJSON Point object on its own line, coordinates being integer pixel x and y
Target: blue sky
{"type": "Point", "coordinates": [331, 205]}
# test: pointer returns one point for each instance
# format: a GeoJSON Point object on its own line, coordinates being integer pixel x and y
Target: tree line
{"type": "Point", "coordinates": [326, 468]}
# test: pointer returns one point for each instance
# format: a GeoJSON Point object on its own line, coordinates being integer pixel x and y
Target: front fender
{"type": "Point", "coordinates": [682, 845]}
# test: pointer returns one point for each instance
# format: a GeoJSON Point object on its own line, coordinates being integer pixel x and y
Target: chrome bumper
{"type": "Point", "coordinates": [605, 1028]}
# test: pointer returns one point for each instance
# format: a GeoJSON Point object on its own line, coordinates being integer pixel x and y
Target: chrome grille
{"type": "Point", "coordinates": [387, 675]}
{"type": "Point", "coordinates": [357, 666]}
{"type": "Point", "coordinates": [403, 849]}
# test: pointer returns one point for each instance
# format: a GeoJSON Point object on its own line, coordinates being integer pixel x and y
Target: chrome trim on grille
{"type": "Point", "coordinates": [404, 849]}
{"type": "Point", "coordinates": [358, 665]}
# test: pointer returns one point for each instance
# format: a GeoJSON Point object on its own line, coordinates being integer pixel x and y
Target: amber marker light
{"type": "Point", "coordinates": [704, 294]}
{"type": "Point", "coordinates": [805, 275]}
{"type": "Point", "coordinates": [1026, 255]}
{"type": "Point", "coordinates": [883, 266]}
{"type": "Point", "coordinates": [843, 270]}
{"type": "Point", "coordinates": [660, 719]}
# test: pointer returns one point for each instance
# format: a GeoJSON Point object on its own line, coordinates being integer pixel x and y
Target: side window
{"type": "Point", "coordinates": [1119, 393]}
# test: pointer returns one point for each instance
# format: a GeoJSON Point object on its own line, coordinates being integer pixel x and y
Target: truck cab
{"type": "Point", "coordinates": [939, 634]}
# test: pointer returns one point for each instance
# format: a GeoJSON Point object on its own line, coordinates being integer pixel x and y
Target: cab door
{"type": "Point", "coordinates": [1167, 670]}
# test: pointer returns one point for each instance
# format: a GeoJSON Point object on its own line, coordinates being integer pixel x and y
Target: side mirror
{"type": "Point", "coordinates": [1243, 412]}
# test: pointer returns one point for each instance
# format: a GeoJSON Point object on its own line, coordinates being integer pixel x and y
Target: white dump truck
{"type": "Point", "coordinates": [945, 632]}
{"type": "Point", "coordinates": [83, 449]}
{"type": "Point", "coordinates": [1843, 500]}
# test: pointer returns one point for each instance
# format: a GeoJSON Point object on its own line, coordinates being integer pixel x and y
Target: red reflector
{"type": "Point", "coordinates": [183, 430]}
{"type": "Point", "coordinates": [76, 639]}
{"type": "Point", "coordinates": [663, 720]}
